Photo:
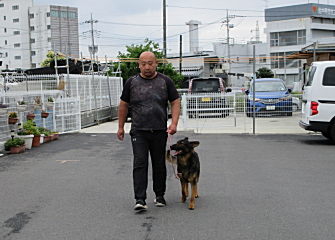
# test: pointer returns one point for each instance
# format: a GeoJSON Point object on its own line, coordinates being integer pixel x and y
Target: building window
{"type": "Point", "coordinates": [278, 61]}
{"type": "Point", "coordinates": [16, 32]}
{"type": "Point", "coordinates": [48, 26]}
{"type": "Point", "coordinates": [2, 5]}
{"type": "Point", "coordinates": [15, 20]}
{"type": "Point", "coordinates": [237, 59]}
{"type": "Point", "coordinates": [251, 60]}
{"type": "Point", "coordinates": [49, 40]}
{"type": "Point", "coordinates": [5, 30]}
{"type": "Point", "coordinates": [288, 38]}
{"type": "Point", "coordinates": [15, 7]}
{"type": "Point", "coordinates": [5, 42]}
{"type": "Point", "coordinates": [16, 44]}
{"type": "Point", "coordinates": [33, 53]}
{"type": "Point", "coordinates": [32, 28]}
{"type": "Point", "coordinates": [32, 40]}
{"type": "Point", "coordinates": [72, 15]}
{"type": "Point", "coordinates": [54, 14]}
{"type": "Point", "coordinates": [63, 14]}
{"type": "Point", "coordinates": [262, 58]}
{"type": "Point", "coordinates": [48, 14]}
{"type": "Point", "coordinates": [17, 57]}
{"type": "Point", "coordinates": [33, 65]}
{"type": "Point", "coordinates": [31, 15]}
{"type": "Point", "coordinates": [4, 18]}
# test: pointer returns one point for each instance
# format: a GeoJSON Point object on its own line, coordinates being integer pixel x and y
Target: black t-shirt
{"type": "Point", "coordinates": [149, 99]}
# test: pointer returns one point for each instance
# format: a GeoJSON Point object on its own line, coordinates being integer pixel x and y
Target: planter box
{"type": "Point", "coordinates": [30, 116]}
{"type": "Point", "coordinates": [21, 108]}
{"type": "Point", "coordinates": [28, 139]}
{"type": "Point", "coordinates": [44, 114]}
{"type": "Point", "coordinates": [49, 104]}
{"type": "Point", "coordinates": [42, 138]}
{"type": "Point", "coordinates": [54, 136]}
{"type": "Point", "coordinates": [47, 138]}
{"type": "Point", "coordinates": [3, 111]}
{"type": "Point", "coordinates": [15, 150]}
{"type": "Point", "coordinates": [12, 120]}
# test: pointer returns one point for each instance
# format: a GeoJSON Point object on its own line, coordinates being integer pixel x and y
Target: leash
{"type": "Point", "coordinates": [174, 170]}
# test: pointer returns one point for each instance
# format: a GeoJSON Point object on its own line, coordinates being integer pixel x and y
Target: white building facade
{"type": "Point", "coordinates": [28, 32]}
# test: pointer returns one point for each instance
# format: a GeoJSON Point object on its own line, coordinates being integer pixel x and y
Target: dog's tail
{"type": "Point", "coordinates": [170, 158]}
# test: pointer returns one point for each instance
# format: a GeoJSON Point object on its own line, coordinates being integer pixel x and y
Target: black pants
{"type": "Point", "coordinates": [145, 142]}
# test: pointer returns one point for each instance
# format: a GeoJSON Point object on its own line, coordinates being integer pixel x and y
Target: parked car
{"type": "Point", "coordinates": [208, 97]}
{"type": "Point", "coordinates": [318, 99]}
{"type": "Point", "coordinates": [296, 104]}
{"type": "Point", "coordinates": [271, 97]}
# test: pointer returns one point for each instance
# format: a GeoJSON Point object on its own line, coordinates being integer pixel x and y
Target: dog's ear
{"type": "Point", "coordinates": [195, 143]}
{"type": "Point", "coordinates": [186, 139]}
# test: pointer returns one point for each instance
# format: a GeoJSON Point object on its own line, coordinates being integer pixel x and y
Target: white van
{"type": "Point", "coordinates": [318, 99]}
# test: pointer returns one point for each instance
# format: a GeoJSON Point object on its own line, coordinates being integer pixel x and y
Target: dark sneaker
{"type": "Point", "coordinates": [160, 201]}
{"type": "Point", "coordinates": [140, 205]}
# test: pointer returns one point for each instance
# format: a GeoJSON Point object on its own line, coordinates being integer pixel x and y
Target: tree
{"type": "Point", "coordinates": [264, 72]}
{"type": "Point", "coordinates": [129, 62]}
{"type": "Point", "coordinates": [50, 58]}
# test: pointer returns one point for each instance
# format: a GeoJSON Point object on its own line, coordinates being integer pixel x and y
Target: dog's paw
{"type": "Point", "coordinates": [191, 207]}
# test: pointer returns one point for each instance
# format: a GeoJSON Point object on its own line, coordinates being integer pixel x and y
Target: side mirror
{"type": "Point", "coordinates": [289, 90]}
{"type": "Point", "coordinates": [228, 90]}
{"type": "Point", "coordinates": [246, 91]}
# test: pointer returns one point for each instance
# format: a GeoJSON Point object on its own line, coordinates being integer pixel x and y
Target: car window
{"type": "Point", "coordinates": [211, 85]}
{"type": "Point", "coordinates": [329, 77]}
{"type": "Point", "coordinates": [270, 86]}
{"type": "Point", "coordinates": [310, 76]}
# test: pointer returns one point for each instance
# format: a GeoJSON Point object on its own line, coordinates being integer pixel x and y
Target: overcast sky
{"type": "Point", "coordinates": [127, 22]}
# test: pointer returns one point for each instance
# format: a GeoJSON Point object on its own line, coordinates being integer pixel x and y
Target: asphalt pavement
{"type": "Point", "coordinates": [264, 186]}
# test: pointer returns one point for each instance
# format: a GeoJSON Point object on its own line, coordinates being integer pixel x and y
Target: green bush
{"type": "Point", "coordinates": [29, 126]}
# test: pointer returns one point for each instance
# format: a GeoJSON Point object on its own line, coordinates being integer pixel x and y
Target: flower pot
{"type": "Point", "coordinates": [44, 114]}
{"type": "Point", "coordinates": [30, 116]}
{"type": "Point", "coordinates": [21, 108]}
{"type": "Point", "coordinates": [3, 111]}
{"type": "Point", "coordinates": [47, 138]}
{"type": "Point", "coordinates": [36, 141]}
{"type": "Point", "coordinates": [28, 139]}
{"type": "Point", "coordinates": [49, 104]}
{"type": "Point", "coordinates": [12, 120]}
{"type": "Point", "coordinates": [37, 106]}
{"type": "Point", "coordinates": [42, 138]}
{"type": "Point", "coordinates": [15, 150]}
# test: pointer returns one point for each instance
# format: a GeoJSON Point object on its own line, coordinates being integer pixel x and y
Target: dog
{"type": "Point", "coordinates": [188, 167]}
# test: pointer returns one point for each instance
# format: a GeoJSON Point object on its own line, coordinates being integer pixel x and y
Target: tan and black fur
{"type": "Point", "coordinates": [188, 167]}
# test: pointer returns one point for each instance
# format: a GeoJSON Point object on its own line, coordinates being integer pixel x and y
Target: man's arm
{"type": "Point", "coordinates": [122, 115]}
{"type": "Point", "coordinates": [175, 112]}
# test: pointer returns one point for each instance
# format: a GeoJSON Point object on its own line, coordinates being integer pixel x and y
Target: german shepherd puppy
{"type": "Point", "coordinates": [188, 167]}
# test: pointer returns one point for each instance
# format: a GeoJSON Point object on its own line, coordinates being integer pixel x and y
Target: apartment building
{"type": "Point", "coordinates": [28, 32]}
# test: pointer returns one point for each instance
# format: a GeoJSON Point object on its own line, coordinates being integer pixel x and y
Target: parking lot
{"type": "Point", "coordinates": [267, 186]}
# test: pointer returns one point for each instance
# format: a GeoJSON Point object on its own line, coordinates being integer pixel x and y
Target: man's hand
{"type": "Point", "coordinates": [172, 129]}
{"type": "Point", "coordinates": [120, 134]}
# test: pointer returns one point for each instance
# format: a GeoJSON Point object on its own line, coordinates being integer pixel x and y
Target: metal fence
{"type": "Point", "coordinates": [210, 112]}
{"type": "Point", "coordinates": [73, 95]}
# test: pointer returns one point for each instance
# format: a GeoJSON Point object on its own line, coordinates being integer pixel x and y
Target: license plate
{"type": "Point", "coordinates": [270, 107]}
{"type": "Point", "coordinates": [205, 99]}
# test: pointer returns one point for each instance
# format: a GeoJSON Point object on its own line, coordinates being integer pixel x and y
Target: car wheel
{"type": "Point", "coordinates": [295, 107]}
{"type": "Point", "coordinates": [332, 132]}
{"type": "Point", "coordinates": [326, 135]}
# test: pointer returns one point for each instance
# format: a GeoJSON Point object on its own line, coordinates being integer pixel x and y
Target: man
{"type": "Point", "coordinates": [148, 93]}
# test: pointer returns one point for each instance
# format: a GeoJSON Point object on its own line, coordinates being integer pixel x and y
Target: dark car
{"type": "Point", "coordinates": [271, 97]}
{"type": "Point", "coordinates": [207, 98]}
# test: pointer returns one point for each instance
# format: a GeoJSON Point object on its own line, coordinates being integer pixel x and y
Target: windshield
{"type": "Point", "coordinates": [269, 86]}
{"type": "Point", "coordinates": [211, 85]}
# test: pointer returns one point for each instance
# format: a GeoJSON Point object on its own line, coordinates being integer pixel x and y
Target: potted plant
{"type": "Point", "coordinates": [30, 116]}
{"type": "Point", "coordinates": [47, 136]}
{"type": "Point", "coordinates": [50, 102]}
{"type": "Point", "coordinates": [3, 108]}
{"type": "Point", "coordinates": [12, 118]}
{"type": "Point", "coordinates": [42, 135]}
{"type": "Point", "coordinates": [15, 145]}
{"type": "Point", "coordinates": [27, 136]}
{"type": "Point", "coordinates": [37, 103]}
{"type": "Point", "coordinates": [21, 106]}
{"type": "Point", "coordinates": [44, 114]}
{"type": "Point", "coordinates": [30, 126]}
{"type": "Point", "coordinates": [54, 135]}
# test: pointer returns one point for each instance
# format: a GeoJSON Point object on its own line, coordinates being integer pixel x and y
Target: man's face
{"type": "Point", "coordinates": [147, 65]}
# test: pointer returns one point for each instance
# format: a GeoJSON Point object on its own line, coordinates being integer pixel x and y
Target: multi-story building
{"type": "Point", "coordinates": [292, 28]}
{"type": "Point", "coordinates": [28, 32]}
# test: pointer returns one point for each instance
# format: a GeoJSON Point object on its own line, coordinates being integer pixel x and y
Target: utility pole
{"type": "Point", "coordinates": [164, 32]}
{"type": "Point", "coordinates": [228, 46]}
{"type": "Point", "coordinates": [92, 49]}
